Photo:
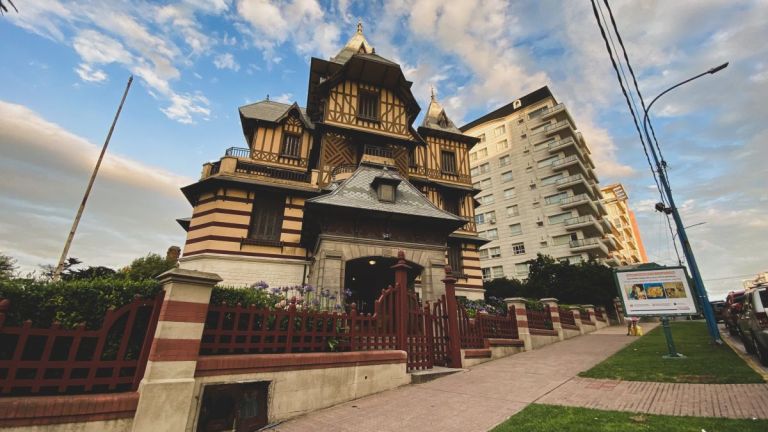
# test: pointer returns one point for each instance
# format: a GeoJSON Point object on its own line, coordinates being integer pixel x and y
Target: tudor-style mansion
{"type": "Point", "coordinates": [327, 194]}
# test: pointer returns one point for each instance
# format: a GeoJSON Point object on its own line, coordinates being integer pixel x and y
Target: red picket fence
{"type": "Point", "coordinates": [440, 332]}
{"type": "Point", "coordinates": [539, 320]}
{"type": "Point", "coordinates": [586, 317]}
{"type": "Point", "coordinates": [599, 315]}
{"type": "Point", "coordinates": [55, 360]}
{"type": "Point", "coordinates": [469, 331]}
{"type": "Point", "coordinates": [567, 320]}
{"type": "Point", "coordinates": [499, 327]}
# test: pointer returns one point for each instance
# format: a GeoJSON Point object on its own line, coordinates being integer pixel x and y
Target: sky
{"type": "Point", "coordinates": [65, 64]}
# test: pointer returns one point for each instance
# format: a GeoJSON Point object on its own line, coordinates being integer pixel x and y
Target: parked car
{"type": "Point", "coordinates": [753, 323]}
{"type": "Point", "coordinates": [734, 301]}
{"type": "Point", "coordinates": [718, 307]}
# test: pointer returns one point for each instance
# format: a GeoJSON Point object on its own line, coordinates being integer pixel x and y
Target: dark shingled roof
{"type": "Point", "coordinates": [356, 192]}
{"type": "Point", "coordinates": [272, 111]}
{"type": "Point", "coordinates": [432, 119]}
{"type": "Point", "coordinates": [509, 108]}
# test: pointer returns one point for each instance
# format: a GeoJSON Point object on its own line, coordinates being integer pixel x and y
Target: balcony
{"type": "Point", "coordinates": [612, 243]}
{"type": "Point", "coordinates": [555, 127]}
{"type": "Point", "coordinates": [587, 223]}
{"type": "Point", "coordinates": [260, 165]}
{"type": "Point", "coordinates": [284, 161]}
{"type": "Point", "coordinates": [436, 174]}
{"type": "Point", "coordinates": [607, 225]}
{"type": "Point", "coordinates": [562, 144]}
{"type": "Point", "coordinates": [591, 244]}
{"type": "Point", "coordinates": [577, 182]}
{"type": "Point", "coordinates": [580, 200]}
{"type": "Point", "coordinates": [569, 161]}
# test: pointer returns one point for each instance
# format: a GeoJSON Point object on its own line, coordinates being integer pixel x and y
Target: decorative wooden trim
{"type": "Point", "coordinates": [222, 211]}
{"type": "Point", "coordinates": [293, 218]}
{"type": "Point", "coordinates": [255, 363]}
{"type": "Point", "coordinates": [290, 231]}
{"type": "Point", "coordinates": [218, 225]}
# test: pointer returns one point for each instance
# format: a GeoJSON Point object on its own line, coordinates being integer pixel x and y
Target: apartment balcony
{"type": "Point", "coordinates": [577, 182]}
{"type": "Point", "coordinates": [612, 242]}
{"type": "Point", "coordinates": [559, 126]}
{"type": "Point", "coordinates": [592, 244]}
{"type": "Point", "coordinates": [607, 225]}
{"type": "Point", "coordinates": [572, 161]}
{"type": "Point", "coordinates": [613, 261]}
{"type": "Point", "coordinates": [562, 144]}
{"type": "Point", "coordinates": [587, 223]}
{"type": "Point", "coordinates": [581, 201]}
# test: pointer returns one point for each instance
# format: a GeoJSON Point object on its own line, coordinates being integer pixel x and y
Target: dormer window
{"type": "Point", "coordinates": [386, 188]}
{"type": "Point", "coordinates": [442, 120]}
{"type": "Point", "coordinates": [291, 147]}
{"type": "Point", "coordinates": [368, 105]}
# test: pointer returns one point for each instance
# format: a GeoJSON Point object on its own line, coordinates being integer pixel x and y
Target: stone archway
{"type": "Point", "coordinates": [366, 277]}
{"type": "Point", "coordinates": [328, 271]}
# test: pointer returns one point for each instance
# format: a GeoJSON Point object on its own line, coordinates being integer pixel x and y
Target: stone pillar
{"type": "Point", "coordinates": [577, 318]}
{"type": "Point", "coordinates": [165, 392]}
{"type": "Point", "coordinates": [452, 309]}
{"type": "Point", "coordinates": [555, 315]}
{"type": "Point", "coordinates": [518, 311]}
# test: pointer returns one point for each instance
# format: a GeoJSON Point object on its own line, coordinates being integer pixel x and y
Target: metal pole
{"type": "Point", "coordinates": [701, 292]}
{"type": "Point", "coordinates": [670, 343]}
{"type": "Point", "coordinates": [68, 243]}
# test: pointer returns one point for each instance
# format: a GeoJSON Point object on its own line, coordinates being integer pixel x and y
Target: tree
{"type": "Point", "coordinates": [503, 288]}
{"type": "Point", "coordinates": [91, 272]}
{"type": "Point", "coordinates": [70, 262]}
{"type": "Point", "coordinates": [8, 267]}
{"type": "Point", "coordinates": [147, 267]}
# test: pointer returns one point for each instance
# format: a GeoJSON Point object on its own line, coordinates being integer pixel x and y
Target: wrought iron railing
{"type": "Point", "coordinates": [378, 151]}
{"type": "Point", "coordinates": [578, 220]}
{"type": "Point", "coordinates": [265, 171]}
{"type": "Point", "coordinates": [266, 156]}
{"type": "Point", "coordinates": [584, 242]}
{"type": "Point", "coordinates": [569, 179]}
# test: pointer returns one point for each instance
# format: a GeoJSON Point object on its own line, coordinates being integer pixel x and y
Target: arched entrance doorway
{"type": "Point", "coordinates": [366, 277]}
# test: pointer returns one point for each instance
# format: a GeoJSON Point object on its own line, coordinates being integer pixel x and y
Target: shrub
{"type": "Point", "coordinates": [70, 302]}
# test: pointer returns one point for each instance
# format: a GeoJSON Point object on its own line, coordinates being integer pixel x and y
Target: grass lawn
{"type": "Point", "coordinates": [546, 418]}
{"type": "Point", "coordinates": [704, 362]}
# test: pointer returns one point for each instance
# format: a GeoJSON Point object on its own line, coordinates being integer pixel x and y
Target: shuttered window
{"type": "Point", "coordinates": [291, 146]}
{"type": "Point", "coordinates": [267, 217]}
{"type": "Point", "coordinates": [454, 258]}
{"type": "Point", "coordinates": [368, 105]}
{"type": "Point", "coordinates": [448, 162]}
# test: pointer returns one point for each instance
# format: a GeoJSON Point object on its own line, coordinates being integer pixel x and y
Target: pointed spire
{"type": "Point", "coordinates": [359, 26]}
{"type": "Point", "coordinates": [436, 118]}
{"type": "Point", "coordinates": [357, 44]}
{"type": "Point", "coordinates": [432, 91]}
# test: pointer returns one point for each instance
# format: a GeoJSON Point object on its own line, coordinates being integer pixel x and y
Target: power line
{"type": "Point", "coordinates": [626, 96]}
{"type": "Point", "coordinates": [730, 277]}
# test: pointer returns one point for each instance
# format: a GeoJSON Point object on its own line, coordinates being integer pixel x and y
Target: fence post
{"type": "Point", "coordinates": [554, 314]}
{"type": "Point", "coordinates": [518, 311]}
{"type": "Point", "coordinates": [166, 392]}
{"type": "Point", "coordinates": [591, 317]}
{"type": "Point", "coordinates": [577, 319]}
{"type": "Point", "coordinates": [401, 285]}
{"type": "Point", "coordinates": [452, 309]}
{"type": "Point", "coordinates": [618, 310]}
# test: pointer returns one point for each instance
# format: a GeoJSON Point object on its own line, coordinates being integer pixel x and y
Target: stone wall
{"type": "Point", "coordinates": [243, 271]}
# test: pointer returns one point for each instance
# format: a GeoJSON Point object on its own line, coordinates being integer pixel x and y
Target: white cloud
{"type": "Point", "coordinates": [284, 98]}
{"type": "Point", "coordinates": [87, 73]}
{"type": "Point", "coordinates": [131, 210]}
{"type": "Point", "coordinates": [226, 61]}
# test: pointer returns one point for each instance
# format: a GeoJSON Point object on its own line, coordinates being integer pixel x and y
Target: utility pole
{"type": "Point", "coordinates": [701, 292]}
{"type": "Point", "coordinates": [68, 243]}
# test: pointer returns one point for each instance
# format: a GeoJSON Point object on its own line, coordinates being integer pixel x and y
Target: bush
{"type": "Point", "coordinates": [243, 296]}
{"type": "Point", "coordinates": [70, 302]}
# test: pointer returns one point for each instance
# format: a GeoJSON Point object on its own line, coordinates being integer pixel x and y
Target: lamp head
{"type": "Point", "coordinates": [718, 68]}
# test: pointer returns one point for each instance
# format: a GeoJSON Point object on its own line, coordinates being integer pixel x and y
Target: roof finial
{"type": "Point", "coordinates": [432, 91]}
{"type": "Point", "coordinates": [359, 26]}
{"type": "Point", "coordinates": [267, 97]}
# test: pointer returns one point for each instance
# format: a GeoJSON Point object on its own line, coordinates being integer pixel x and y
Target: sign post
{"type": "Point", "coordinates": [661, 292]}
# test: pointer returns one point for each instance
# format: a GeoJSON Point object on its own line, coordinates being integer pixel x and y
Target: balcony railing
{"type": "Point", "coordinates": [378, 151]}
{"type": "Point", "coordinates": [558, 125]}
{"type": "Point", "coordinates": [585, 242]}
{"type": "Point", "coordinates": [578, 220]}
{"type": "Point", "coordinates": [575, 199]}
{"type": "Point", "coordinates": [562, 143]}
{"type": "Point", "coordinates": [439, 175]}
{"type": "Point", "coordinates": [265, 156]}
{"type": "Point", "coordinates": [565, 161]}
{"type": "Point", "coordinates": [570, 179]}
{"type": "Point", "coordinates": [266, 171]}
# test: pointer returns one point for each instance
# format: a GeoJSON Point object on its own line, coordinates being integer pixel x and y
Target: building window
{"type": "Point", "coordinates": [485, 184]}
{"type": "Point", "coordinates": [488, 199]}
{"type": "Point", "coordinates": [506, 176]}
{"type": "Point", "coordinates": [448, 162]}
{"type": "Point", "coordinates": [521, 269]}
{"type": "Point", "coordinates": [483, 253]}
{"type": "Point", "coordinates": [412, 157]}
{"type": "Point", "coordinates": [518, 248]}
{"type": "Point", "coordinates": [266, 217]}
{"type": "Point", "coordinates": [454, 257]}
{"type": "Point", "coordinates": [495, 252]}
{"type": "Point", "coordinates": [486, 273]}
{"type": "Point", "coordinates": [451, 204]}
{"type": "Point", "coordinates": [491, 234]}
{"type": "Point", "coordinates": [505, 160]}
{"type": "Point", "coordinates": [480, 219]}
{"type": "Point", "coordinates": [497, 272]}
{"type": "Point", "coordinates": [491, 216]}
{"type": "Point", "coordinates": [482, 138]}
{"type": "Point", "coordinates": [513, 211]}
{"type": "Point", "coordinates": [484, 168]}
{"type": "Point", "coordinates": [502, 145]}
{"type": "Point", "coordinates": [368, 105]}
{"type": "Point", "coordinates": [499, 131]}
{"type": "Point", "coordinates": [556, 198]}
{"type": "Point", "coordinates": [515, 229]}
{"type": "Point", "coordinates": [386, 192]}
{"type": "Point", "coordinates": [442, 121]}
{"type": "Point", "coordinates": [547, 162]}
{"type": "Point", "coordinates": [551, 179]}
{"type": "Point", "coordinates": [559, 218]}
{"type": "Point", "coordinates": [291, 146]}
{"type": "Point", "coordinates": [482, 153]}
{"type": "Point", "coordinates": [509, 193]}
{"type": "Point", "coordinates": [563, 239]}
{"type": "Point", "coordinates": [473, 156]}
{"type": "Point", "coordinates": [537, 112]}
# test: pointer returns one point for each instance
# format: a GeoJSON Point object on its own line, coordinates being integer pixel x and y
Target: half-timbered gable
{"type": "Point", "coordinates": [367, 107]}
{"type": "Point", "coordinates": [277, 134]}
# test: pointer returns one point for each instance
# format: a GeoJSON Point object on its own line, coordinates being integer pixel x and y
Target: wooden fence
{"type": "Point", "coordinates": [539, 319]}
{"type": "Point", "coordinates": [567, 320]}
{"type": "Point", "coordinates": [55, 360]}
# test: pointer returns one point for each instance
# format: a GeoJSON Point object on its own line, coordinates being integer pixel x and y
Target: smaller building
{"type": "Point", "coordinates": [624, 227]}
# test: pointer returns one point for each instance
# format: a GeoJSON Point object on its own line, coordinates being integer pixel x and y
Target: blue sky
{"type": "Point", "coordinates": [65, 65]}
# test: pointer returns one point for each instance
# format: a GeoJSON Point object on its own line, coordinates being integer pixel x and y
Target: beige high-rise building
{"type": "Point", "coordinates": [538, 188]}
{"type": "Point", "coordinates": [623, 220]}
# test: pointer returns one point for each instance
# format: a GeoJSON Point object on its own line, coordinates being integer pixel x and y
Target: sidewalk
{"type": "Point", "coordinates": [476, 400]}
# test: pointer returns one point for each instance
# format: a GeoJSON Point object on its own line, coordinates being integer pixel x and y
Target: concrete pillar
{"type": "Point", "coordinates": [517, 308]}
{"type": "Point", "coordinates": [577, 318]}
{"type": "Point", "coordinates": [551, 302]}
{"type": "Point", "coordinates": [165, 393]}
{"type": "Point", "coordinates": [590, 315]}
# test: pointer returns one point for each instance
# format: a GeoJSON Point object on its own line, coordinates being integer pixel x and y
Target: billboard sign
{"type": "Point", "coordinates": [655, 292]}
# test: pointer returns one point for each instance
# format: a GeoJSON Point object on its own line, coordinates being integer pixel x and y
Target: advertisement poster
{"type": "Point", "coordinates": [656, 292]}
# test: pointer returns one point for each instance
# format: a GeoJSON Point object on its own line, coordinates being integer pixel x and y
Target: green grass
{"type": "Point", "coordinates": [546, 418]}
{"type": "Point", "coordinates": [704, 363]}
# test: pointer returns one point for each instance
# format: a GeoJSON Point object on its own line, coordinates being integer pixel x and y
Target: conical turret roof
{"type": "Point", "coordinates": [357, 44]}
{"type": "Point", "coordinates": [437, 119]}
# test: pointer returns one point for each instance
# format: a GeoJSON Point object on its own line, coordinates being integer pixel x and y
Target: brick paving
{"type": "Point", "coordinates": [475, 400]}
{"type": "Point", "coordinates": [700, 400]}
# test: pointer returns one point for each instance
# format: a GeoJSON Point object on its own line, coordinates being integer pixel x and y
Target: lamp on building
{"type": "Point", "coordinates": [372, 262]}
{"type": "Point", "coordinates": [701, 292]}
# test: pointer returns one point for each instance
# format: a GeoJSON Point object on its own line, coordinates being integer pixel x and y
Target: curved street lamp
{"type": "Point", "coordinates": [701, 292]}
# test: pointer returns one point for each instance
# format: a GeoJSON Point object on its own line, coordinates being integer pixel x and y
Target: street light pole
{"type": "Point", "coordinates": [679, 261]}
{"type": "Point", "coordinates": [701, 292]}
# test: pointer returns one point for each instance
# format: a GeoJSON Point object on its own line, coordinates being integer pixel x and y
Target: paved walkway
{"type": "Point", "coordinates": [476, 400]}
{"type": "Point", "coordinates": [698, 400]}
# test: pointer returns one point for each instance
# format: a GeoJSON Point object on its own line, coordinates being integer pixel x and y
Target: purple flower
{"type": "Point", "coordinates": [275, 291]}
{"type": "Point", "coordinates": [316, 302]}
{"type": "Point", "coordinates": [285, 289]}
{"type": "Point", "coordinates": [308, 288]}
{"type": "Point", "coordinates": [332, 297]}
{"type": "Point", "coordinates": [337, 307]}
{"type": "Point", "coordinates": [348, 292]}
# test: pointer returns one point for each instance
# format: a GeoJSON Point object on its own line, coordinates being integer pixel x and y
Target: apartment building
{"type": "Point", "coordinates": [622, 218]}
{"type": "Point", "coordinates": [538, 189]}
